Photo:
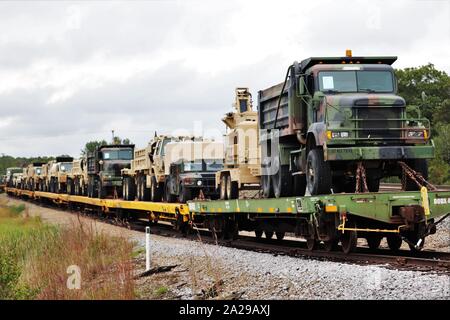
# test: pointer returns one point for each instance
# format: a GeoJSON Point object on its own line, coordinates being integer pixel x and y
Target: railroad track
{"type": "Point", "coordinates": [426, 261]}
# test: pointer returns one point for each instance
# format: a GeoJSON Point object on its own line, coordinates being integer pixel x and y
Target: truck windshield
{"type": "Point", "coordinates": [356, 81]}
{"type": "Point", "coordinates": [193, 166]}
{"type": "Point", "coordinates": [214, 165]}
{"type": "Point", "coordinates": [65, 167]}
{"type": "Point", "coordinates": [126, 154]}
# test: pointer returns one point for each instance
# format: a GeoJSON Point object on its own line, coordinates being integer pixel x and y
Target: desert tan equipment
{"type": "Point", "coordinates": [145, 179]}
{"type": "Point", "coordinates": [242, 169]}
{"type": "Point", "coordinates": [77, 179]}
{"type": "Point", "coordinates": [57, 174]}
{"type": "Point", "coordinates": [33, 172]}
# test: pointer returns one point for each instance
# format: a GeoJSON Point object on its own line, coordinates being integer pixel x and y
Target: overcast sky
{"type": "Point", "coordinates": [73, 71]}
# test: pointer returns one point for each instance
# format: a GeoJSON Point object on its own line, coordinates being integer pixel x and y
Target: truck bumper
{"type": "Point", "coordinates": [380, 153]}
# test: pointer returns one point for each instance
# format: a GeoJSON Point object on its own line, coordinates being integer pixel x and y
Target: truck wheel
{"type": "Point", "coordinates": [185, 194]}
{"type": "Point", "coordinates": [223, 187]}
{"type": "Point", "coordinates": [318, 173]}
{"type": "Point", "coordinates": [125, 189]}
{"type": "Point", "coordinates": [299, 187]}
{"type": "Point", "coordinates": [131, 189]}
{"type": "Point", "coordinates": [101, 191]}
{"type": "Point", "coordinates": [373, 184]}
{"type": "Point", "coordinates": [232, 188]}
{"type": "Point", "coordinates": [419, 165]}
{"type": "Point", "coordinates": [266, 186]}
{"type": "Point", "coordinates": [281, 181]}
{"type": "Point", "coordinates": [168, 195]}
{"type": "Point", "coordinates": [156, 191]}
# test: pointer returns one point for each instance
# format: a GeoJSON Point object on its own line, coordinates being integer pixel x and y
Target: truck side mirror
{"type": "Point", "coordinates": [302, 86]}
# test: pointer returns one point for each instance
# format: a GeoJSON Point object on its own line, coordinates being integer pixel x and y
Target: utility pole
{"type": "Point", "coordinates": [112, 136]}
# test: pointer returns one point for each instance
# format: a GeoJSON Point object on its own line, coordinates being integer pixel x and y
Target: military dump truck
{"type": "Point", "coordinates": [145, 179]}
{"type": "Point", "coordinates": [336, 125]}
{"type": "Point", "coordinates": [57, 174]}
{"type": "Point", "coordinates": [190, 168]}
{"type": "Point", "coordinates": [77, 180]}
{"type": "Point", "coordinates": [104, 167]}
{"type": "Point", "coordinates": [9, 175]}
{"type": "Point", "coordinates": [33, 171]}
{"type": "Point", "coordinates": [242, 167]}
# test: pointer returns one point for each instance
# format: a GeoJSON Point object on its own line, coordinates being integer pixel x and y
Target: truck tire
{"type": "Point", "coordinates": [70, 187]}
{"type": "Point", "coordinates": [185, 194]}
{"type": "Point", "coordinates": [266, 186]}
{"type": "Point", "coordinates": [419, 165]}
{"type": "Point", "coordinates": [232, 188]}
{"type": "Point", "coordinates": [281, 180]}
{"type": "Point", "coordinates": [223, 187]}
{"type": "Point", "coordinates": [156, 190]}
{"type": "Point", "coordinates": [299, 186]}
{"type": "Point", "coordinates": [318, 173]}
{"type": "Point", "coordinates": [168, 196]}
{"type": "Point", "coordinates": [101, 194]}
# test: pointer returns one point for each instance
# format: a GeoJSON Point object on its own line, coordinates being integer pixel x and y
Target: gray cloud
{"type": "Point", "coordinates": [71, 72]}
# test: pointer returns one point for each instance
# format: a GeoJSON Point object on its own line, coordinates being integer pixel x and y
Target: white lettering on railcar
{"type": "Point", "coordinates": [439, 201]}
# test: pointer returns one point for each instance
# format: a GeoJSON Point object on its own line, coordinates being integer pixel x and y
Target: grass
{"type": "Point", "coordinates": [161, 291]}
{"type": "Point", "coordinates": [35, 259]}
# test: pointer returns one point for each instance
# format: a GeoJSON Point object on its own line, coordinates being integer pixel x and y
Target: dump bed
{"type": "Point", "coordinates": [267, 107]}
{"type": "Point", "coordinates": [141, 159]}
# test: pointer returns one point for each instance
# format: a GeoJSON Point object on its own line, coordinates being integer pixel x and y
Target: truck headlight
{"type": "Point", "coordinates": [337, 134]}
{"type": "Point", "coordinates": [199, 182]}
{"type": "Point", "coordinates": [417, 134]}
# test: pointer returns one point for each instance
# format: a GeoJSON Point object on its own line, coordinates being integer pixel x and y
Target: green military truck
{"type": "Point", "coordinates": [104, 167]}
{"type": "Point", "coordinates": [336, 124]}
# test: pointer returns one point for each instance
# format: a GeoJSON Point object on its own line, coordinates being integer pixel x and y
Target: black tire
{"type": "Point", "coordinates": [125, 189]}
{"type": "Point", "coordinates": [281, 180]}
{"type": "Point", "coordinates": [169, 197]}
{"type": "Point", "coordinates": [223, 187]}
{"type": "Point", "coordinates": [266, 185]}
{"type": "Point", "coordinates": [70, 187]}
{"type": "Point", "coordinates": [318, 173]}
{"type": "Point", "coordinates": [101, 194]}
{"type": "Point", "coordinates": [394, 242]}
{"type": "Point", "coordinates": [232, 188]}
{"type": "Point", "coordinates": [185, 194]}
{"type": "Point", "coordinates": [373, 184]}
{"type": "Point", "coordinates": [419, 165]}
{"type": "Point", "coordinates": [373, 241]}
{"type": "Point", "coordinates": [156, 193]}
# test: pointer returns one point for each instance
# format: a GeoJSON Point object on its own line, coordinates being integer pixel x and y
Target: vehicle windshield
{"type": "Point", "coordinates": [214, 165]}
{"type": "Point", "coordinates": [356, 81]}
{"type": "Point", "coordinates": [65, 167]}
{"type": "Point", "coordinates": [118, 154]}
{"type": "Point", "coordinates": [38, 170]}
{"type": "Point", "coordinates": [193, 166]}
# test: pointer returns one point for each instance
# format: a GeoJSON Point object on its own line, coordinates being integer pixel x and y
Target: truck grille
{"type": "Point", "coordinates": [378, 123]}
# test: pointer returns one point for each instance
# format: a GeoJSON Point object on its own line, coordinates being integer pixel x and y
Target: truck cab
{"type": "Point", "coordinates": [333, 115]}
{"type": "Point", "coordinates": [104, 168]}
{"type": "Point", "coordinates": [9, 175]}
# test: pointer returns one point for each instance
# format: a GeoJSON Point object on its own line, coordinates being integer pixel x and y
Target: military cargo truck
{"type": "Point", "coordinates": [190, 168]}
{"type": "Point", "coordinates": [17, 180]}
{"type": "Point", "coordinates": [9, 175]}
{"type": "Point", "coordinates": [33, 172]}
{"type": "Point", "coordinates": [104, 167]}
{"type": "Point", "coordinates": [77, 180]}
{"type": "Point", "coordinates": [242, 167]}
{"type": "Point", "coordinates": [145, 179]}
{"type": "Point", "coordinates": [57, 174]}
{"type": "Point", "coordinates": [335, 120]}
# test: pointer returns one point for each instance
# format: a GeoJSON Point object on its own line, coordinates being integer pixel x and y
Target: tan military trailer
{"type": "Point", "coordinates": [17, 180]}
{"type": "Point", "coordinates": [145, 179]}
{"type": "Point", "coordinates": [242, 169]}
{"type": "Point", "coordinates": [33, 171]}
{"type": "Point", "coordinates": [77, 179]}
{"type": "Point", "coordinates": [190, 168]}
{"type": "Point", "coordinates": [57, 174]}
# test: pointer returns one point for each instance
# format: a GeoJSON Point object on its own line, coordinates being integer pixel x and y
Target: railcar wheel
{"type": "Point", "coordinates": [258, 234]}
{"type": "Point", "coordinates": [373, 241]}
{"type": "Point", "coordinates": [349, 241]}
{"type": "Point", "coordinates": [394, 242]}
{"type": "Point", "coordinates": [311, 244]}
{"type": "Point", "coordinates": [331, 245]}
{"type": "Point", "coordinates": [268, 234]}
{"type": "Point", "coordinates": [280, 235]}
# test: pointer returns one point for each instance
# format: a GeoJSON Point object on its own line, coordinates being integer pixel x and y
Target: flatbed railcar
{"type": "Point", "coordinates": [331, 219]}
